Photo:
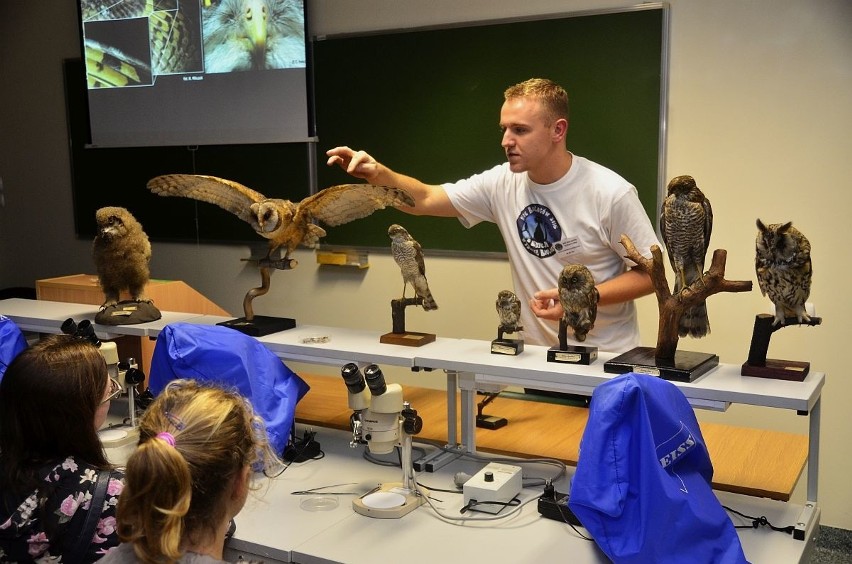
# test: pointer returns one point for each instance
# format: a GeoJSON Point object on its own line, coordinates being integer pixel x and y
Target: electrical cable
{"type": "Point", "coordinates": [761, 521]}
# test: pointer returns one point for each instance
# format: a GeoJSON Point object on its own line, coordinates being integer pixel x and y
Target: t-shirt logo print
{"type": "Point", "coordinates": [538, 230]}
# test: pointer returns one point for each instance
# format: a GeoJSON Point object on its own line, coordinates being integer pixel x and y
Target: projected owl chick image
{"type": "Point", "coordinates": [241, 35]}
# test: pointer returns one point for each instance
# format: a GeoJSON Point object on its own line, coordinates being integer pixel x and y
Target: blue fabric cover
{"type": "Point", "coordinates": [223, 355]}
{"type": "Point", "coordinates": [12, 342]}
{"type": "Point", "coordinates": [642, 485]}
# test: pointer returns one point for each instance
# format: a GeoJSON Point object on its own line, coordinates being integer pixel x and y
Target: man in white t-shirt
{"type": "Point", "coordinates": [552, 208]}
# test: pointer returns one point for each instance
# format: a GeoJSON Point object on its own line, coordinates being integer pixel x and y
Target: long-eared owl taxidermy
{"type": "Point", "coordinates": [121, 253]}
{"type": "Point", "coordinates": [286, 224]}
{"type": "Point", "coordinates": [783, 265]}
{"type": "Point", "coordinates": [686, 221]}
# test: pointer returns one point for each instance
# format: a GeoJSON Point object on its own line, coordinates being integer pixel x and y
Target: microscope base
{"type": "Point", "coordinates": [388, 501]}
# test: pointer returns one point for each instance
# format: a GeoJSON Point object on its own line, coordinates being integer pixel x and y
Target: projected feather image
{"type": "Point", "coordinates": [241, 35]}
{"type": "Point", "coordinates": [130, 42]}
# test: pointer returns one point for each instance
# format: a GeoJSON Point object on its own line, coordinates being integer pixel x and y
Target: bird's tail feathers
{"type": "Point", "coordinates": [428, 301]}
{"type": "Point", "coordinates": [694, 322]}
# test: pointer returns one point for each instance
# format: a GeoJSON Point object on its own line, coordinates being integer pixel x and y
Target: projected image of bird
{"type": "Point", "coordinates": [242, 35]}
{"type": "Point", "coordinates": [579, 299]}
{"type": "Point", "coordinates": [286, 224]}
{"type": "Point", "coordinates": [686, 221]}
{"type": "Point", "coordinates": [509, 311]}
{"type": "Point", "coordinates": [784, 270]}
{"type": "Point", "coordinates": [121, 253]}
{"type": "Point", "coordinates": [409, 256]}
{"type": "Point", "coordinates": [129, 43]}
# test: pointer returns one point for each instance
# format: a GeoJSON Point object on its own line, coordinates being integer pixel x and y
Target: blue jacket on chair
{"type": "Point", "coordinates": [642, 486]}
{"type": "Point", "coordinates": [12, 342]}
{"type": "Point", "coordinates": [219, 354]}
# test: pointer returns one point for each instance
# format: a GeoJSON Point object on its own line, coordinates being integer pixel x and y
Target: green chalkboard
{"type": "Point", "coordinates": [117, 177]}
{"type": "Point", "coordinates": [426, 103]}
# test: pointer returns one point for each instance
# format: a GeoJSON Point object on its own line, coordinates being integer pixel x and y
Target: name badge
{"type": "Point", "coordinates": [567, 247]}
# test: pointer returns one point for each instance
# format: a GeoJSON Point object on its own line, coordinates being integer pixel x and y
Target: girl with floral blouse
{"type": "Point", "coordinates": [53, 398]}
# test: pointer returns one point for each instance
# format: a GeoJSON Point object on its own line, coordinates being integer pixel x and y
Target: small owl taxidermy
{"type": "Point", "coordinates": [783, 265]}
{"type": "Point", "coordinates": [509, 311]}
{"type": "Point", "coordinates": [579, 299]}
{"type": "Point", "coordinates": [409, 256]}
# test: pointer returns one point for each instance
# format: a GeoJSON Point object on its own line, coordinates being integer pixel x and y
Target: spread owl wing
{"type": "Point", "coordinates": [226, 194]}
{"type": "Point", "coordinates": [341, 204]}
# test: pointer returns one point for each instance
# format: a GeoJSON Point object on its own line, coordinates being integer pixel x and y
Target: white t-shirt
{"type": "Point", "coordinates": [578, 219]}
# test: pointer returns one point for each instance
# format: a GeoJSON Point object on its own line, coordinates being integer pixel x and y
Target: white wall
{"type": "Point", "coordinates": [760, 114]}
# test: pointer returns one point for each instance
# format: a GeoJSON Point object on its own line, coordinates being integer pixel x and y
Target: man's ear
{"type": "Point", "coordinates": [560, 129]}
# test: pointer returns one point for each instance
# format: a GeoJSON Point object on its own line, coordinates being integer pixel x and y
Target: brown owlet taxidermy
{"type": "Point", "coordinates": [579, 299]}
{"type": "Point", "coordinates": [409, 256]}
{"type": "Point", "coordinates": [283, 222]}
{"type": "Point", "coordinates": [121, 252]}
{"type": "Point", "coordinates": [783, 265]}
{"type": "Point", "coordinates": [509, 311]}
{"type": "Point", "coordinates": [686, 220]}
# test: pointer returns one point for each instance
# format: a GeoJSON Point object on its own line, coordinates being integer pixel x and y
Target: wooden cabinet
{"type": "Point", "coordinates": [168, 295]}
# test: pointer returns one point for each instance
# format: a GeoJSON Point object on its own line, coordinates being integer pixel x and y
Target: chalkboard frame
{"type": "Point", "coordinates": [364, 102]}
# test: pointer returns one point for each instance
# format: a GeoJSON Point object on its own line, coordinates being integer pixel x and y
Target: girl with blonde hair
{"type": "Point", "coordinates": [190, 475]}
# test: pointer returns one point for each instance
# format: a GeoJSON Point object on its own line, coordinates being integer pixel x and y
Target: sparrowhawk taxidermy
{"type": "Point", "coordinates": [409, 256]}
{"type": "Point", "coordinates": [686, 221]}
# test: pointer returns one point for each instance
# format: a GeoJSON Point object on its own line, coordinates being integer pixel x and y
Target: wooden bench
{"type": "Point", "coordinates": [748, 461]}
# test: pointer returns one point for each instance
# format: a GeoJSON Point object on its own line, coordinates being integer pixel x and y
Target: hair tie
{"type": "Point", "coordinates": [168, 437]}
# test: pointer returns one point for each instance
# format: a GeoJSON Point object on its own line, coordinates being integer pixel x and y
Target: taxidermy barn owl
{"type": "Point", "coordinates": [409, 256]}
{"type": "Point", "coordinates": [686, 221]}
{"type": "Point", "coordinates": [579, 299]}
{"type": "Point", "coordinates": [783, 265]}
{"type": "Point", "coordinates": [121, 253]}
{"type": "Point", "coordinates": [286, 224]}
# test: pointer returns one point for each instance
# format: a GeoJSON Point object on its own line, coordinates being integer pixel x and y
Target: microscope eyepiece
{"type": "Point", "coordinates": [353, 378]}
{"type": "Point", "coordinates": [375, 380]}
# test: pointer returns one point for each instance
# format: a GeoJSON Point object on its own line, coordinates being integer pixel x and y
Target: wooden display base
{"type": "Point", "coordinates": [260, 325]}
{"type": "Point", "coordinates": [792, 370]}
{"type": "Point", "coordinates": [408, 338]}
{"type": "Point", "coordinates": [572, 354]}
{"type": "Point", "coordinates": [507, 346]}
{"type": "Point", "coordinates": [687, 366]}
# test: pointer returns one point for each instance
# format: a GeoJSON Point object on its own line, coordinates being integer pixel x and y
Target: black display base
{"type": "Point", "coordinates": [260, 325]}
{"type": "Point", "coordinates": [572, 354]}
{"type": "Point", "coordinates": [793, 370]}
{"type": "Point", "coordinates": [408, 338]}
{"type": "Point", "coordinates": [507, 346]}
{"type": "Point", "coordinates": [491, 422]}
{"type": "Point", "coordinates": [128, 312]}
{"type": "Point", "coordinates": [686, 366]}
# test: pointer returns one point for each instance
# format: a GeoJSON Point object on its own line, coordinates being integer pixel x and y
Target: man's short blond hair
{"type": "Point", "coordinates": [553, 97]}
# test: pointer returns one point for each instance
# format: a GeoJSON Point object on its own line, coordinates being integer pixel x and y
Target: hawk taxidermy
{"type": "Point", "coordinates": [783, 265]}
{"type": "Point", "coordinates": [579, 299]}
{"type": "Point", "coordinates": [285, 223]}
{"type": "Point", "coordinates": [509, 311]}
{"type": "Point", "coordinates": [242, 35]}
{"type": "Point", "coordinates": [686, 220]}
{"type": "Point", "coordinates": [121, 252]}
{"type": "Point", "coordinates": [409, 256]}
